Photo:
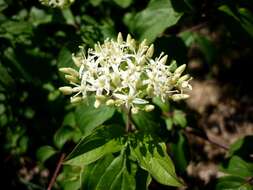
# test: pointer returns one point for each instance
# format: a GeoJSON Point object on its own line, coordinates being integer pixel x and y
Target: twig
{"type": "Point", "coordinates": [128, 121]}
{"type": "Point", "coordinates": [206, 138]}
{"type": "Point", "coordinates": [194, 28]}
{"type": "Point", "coordinates": [57, 169]}
{"type": "Point", "coordinates": [225, 147]}
{"type": "Point", "coordinates": [200, 134]}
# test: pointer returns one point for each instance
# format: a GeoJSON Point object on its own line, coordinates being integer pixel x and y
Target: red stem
{"type": "Point", "coordinates": [57, 169]}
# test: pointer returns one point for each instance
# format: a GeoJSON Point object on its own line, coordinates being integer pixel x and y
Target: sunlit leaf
{"type": "Point", "coordinates": [117, 176]}
{"type": "Point", "coordinates": [232, 183]}
{"type": "Point", "coordinates": [152, 157]}
{"type": "Point", "coordinates": [238, 167]}
{"type": "Point", "coordinates": [104, 140]}
{"type": "Point", "coordinates": [88, 117]}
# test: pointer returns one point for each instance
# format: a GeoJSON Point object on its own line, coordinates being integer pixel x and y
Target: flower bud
{"type": "Point", "coordinates": [66, 90]}
{"type": "Point", "coordinates": [129, 38]}
{"type": "Point", "coordinates": [150, 51]}
{"type": "Point", "coordinates": [116, 79]}
{"type": "Point", "coordinates": [150, 91]}
{"type": "Point", "coordinates": [184, 78]}
{"type": "Point", "coordinates": [77, 89]}
{"type": "Point", "coordinates": [175, 78]}
{"type": "Point", "coordinates": [100, 98]}
{"type": "Point", "coordinates": [177, 97]}
{"type": "Point", "coordinates": [110, 102]}
{"type": "Point", "coordinates": [97, 103]}
{"type": "Point", "coordinates": [133, 44]}
{"type": "Point", "coordinates": [77, 60]}
{"type": "Point", "coordinates": [75, 99]}
{"type": "Point", "coordinates": [96, 48]}
{"type": "Point", "coordinates": [180, 69]}
{"type": "Point", "coordinates": [119, 38]}
{"type": "Point", "coordinates": [149, 108]}
{"type": "Point", "coordinates": [134, 110]}
{"type": "Point", "coordinates": [142, 60]}
{"type": "Point", "coordinates": [184, 84]}
{"type": "Point", "coordinates": [70, 71]}
{"type": "Point", "coordinates": [164, 59]}
{"type": "Point", "coordinates": [118, 102]}
{"type": "Point", "coordinates": [71, 78]}
{"type": "Point", "coordinates": [143, 44]}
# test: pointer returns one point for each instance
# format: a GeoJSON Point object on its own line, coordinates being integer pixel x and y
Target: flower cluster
{"type": "Point", "coordinates": [57, 3]}
{"type": "Point", "coordinates": [122, 73]}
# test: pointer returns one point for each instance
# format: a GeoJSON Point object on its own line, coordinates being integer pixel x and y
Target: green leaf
{"type": "Point", "coordinates": [17, 27]}
{"type": "Point", "coordinates": [109, 173]}
{"type": "Point", "coordinates": [206, 45]}
{"type": "Point", "coordinates": [247, 20]}
{"type": "Point", "coordinates": [95, 154]}
{"type": "Point", "coordinates": [39, 16]}
{"type": "Point", "coordinates": [232, 183]}
{"type": "Point", "coordinates": [143, 179]}
{"type": "Point", "coordinates": [68, 131]}
{"type": "Point", "coordinates": [152, 157]}
{"type": "Point", "coordinates": [65, 58]}
{"type": "Point", "coordinates": [242, 148]}
{"type": "Point", "coordinates": [45, 152]}
{"type": "Point", "coordinates": [238, 167]}
{"type": "Point", "coordinates": [182, 5]}
{"type": "Point", "coordinates": [241, 15]}
{"type": "Point", "coordinates": [235, 146]}
{"type": "Point", "coordinates": [169, 123]}
{"type": "Point", "coordinates": [117, 176]}
{"type": "Point", "coordinates": [68, 15]}
{"type": "Point", "coordinates": [123, 3]}
{"type": "Point", "coordinates": [96, 2]}
{"type": "Point", "coordinates": [70, 178]}
{"type": "Point", "coordinates": [5, 78]}
{"type": "Point", "coordinates": [88, 117]}
{"type": "Point", "coordinates": [64, 134]}
{"type": "Point", "coordinates": [179, 118]}
{"type": "Point", "coordinates": [104, 140]}
{"type": "Point", "coordinates": [95, 169]}
{"type": "Point", "coordinates": [69, 120]}
{"type": "Point", "coordinates": [175, 48]}
{"type": "Point", "coordinates": [152, 21]}
{"type": "Point", "coordinates": [180, 153]}
{"type": "Point", "coordinates": [3, 5]}
{"type": "Point", "coordinates": [15, 64]}
{"type": "Point", "coordinates": [164, 106]}
{"type": "Point", "coordinates": [146, 121]}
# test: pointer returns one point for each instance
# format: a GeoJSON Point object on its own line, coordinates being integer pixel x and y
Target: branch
{"type": "Point", "coordinates": [194, 28]}
{"type": "Point", "coordinates": [57, 169]}
{"type": "Point", "coordinates": [206, 138]}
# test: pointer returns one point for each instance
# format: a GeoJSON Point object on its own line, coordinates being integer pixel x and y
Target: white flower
{"type": "Point", "coordinates": [125, 74]}
{"type": "Point", "coordinates": [57, 3]}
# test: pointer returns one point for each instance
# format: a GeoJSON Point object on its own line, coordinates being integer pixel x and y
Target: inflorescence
{"type": "Point", "coordinates": [57, 3]}
{"type": "Point", "coordinates": [122, 73]}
